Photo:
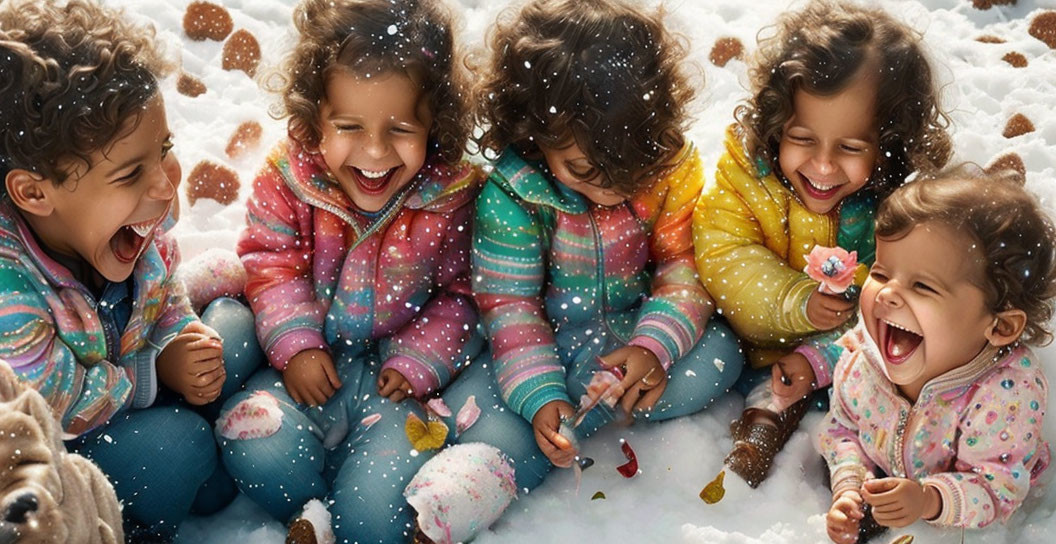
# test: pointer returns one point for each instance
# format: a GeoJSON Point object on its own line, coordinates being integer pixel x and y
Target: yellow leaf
{"type": "Point", "coordinates": [713, 492]}
{"type": "Point", "coordinates": [425, 436]}
{"type": "Point", "coordinates": [904, 539]}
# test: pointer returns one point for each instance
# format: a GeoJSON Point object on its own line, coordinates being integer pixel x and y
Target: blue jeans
{"type": "Point", "coordinates": [327, 451]}
{"type": "Point", "coordinates": [695, 381]}
{"type": "Point", "coordinates": [162, 460]}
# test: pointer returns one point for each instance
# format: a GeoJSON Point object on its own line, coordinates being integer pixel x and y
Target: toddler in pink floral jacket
{"type": "Point", "coordinates": [937, 403]}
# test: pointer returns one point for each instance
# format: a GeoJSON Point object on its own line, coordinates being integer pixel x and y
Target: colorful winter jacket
{"type": "Point", "coordinates": [974, 433]}
{"type": "Point", "coordinates": [752, 236]}
{"type": "Point", "coordinates": [323, 275]}
{"type": "Point", "coordinates": [553, 271]}
{"type": "Point", "coordinates": [53, 337]}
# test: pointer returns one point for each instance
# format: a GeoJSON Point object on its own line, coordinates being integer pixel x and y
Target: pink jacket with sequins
{"type": "Point", "coordinates": [974, 433]}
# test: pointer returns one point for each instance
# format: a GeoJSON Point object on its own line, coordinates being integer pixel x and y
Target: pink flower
{"type": "Point", "coordinates": [833, 267]}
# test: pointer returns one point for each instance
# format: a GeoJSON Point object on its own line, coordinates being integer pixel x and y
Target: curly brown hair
{"type": "Point", "coordinates": [70, 77]}
{"type": "Point", "coordinates": [1005, 221]}
{"type": "Point", "coordinates": [411, 37]}
{"type": "Point", "coordinates": [822, 49]}
{"type": "Point", "coordinates": [599, 71]}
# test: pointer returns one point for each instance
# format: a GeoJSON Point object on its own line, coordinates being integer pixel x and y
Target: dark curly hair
{"type": "Point", "coordinates": [821, 49]}
{"type": "Point", "coordinates": [412, 37]}
{"type": "Point", "coordinates": [70, 77]}
{"type": "Point", "coordinates": [1006, 222]}
{"type": "Point", "coordinates": [598, 71]}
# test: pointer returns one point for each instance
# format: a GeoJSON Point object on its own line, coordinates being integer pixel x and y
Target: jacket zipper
{"type": "Point", "coordinates": [599, 271]}
{"type": "Point", "coordinates": [599, 268]}
{"type": "Point", "coordinates": [900, 437]}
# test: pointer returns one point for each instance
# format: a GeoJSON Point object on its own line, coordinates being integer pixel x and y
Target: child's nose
{"type": "Point", "coordinates": [161, 187]}
{"type": "Point", "coordinates": [377, 146]}
{"type": "Point", "coordinates": [823, 162]}
{"type": "Point", "coordinates": [888, 296]}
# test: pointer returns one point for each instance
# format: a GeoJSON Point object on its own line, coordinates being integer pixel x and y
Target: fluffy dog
{"type": "Point", "coordinates": [47, 494]}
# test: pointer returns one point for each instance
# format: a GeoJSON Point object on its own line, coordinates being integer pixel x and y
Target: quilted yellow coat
{"type": "Point", "coordinates": [752, 236]}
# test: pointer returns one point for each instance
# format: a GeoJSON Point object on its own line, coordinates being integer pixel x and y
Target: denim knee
{"type": "Point", "coordinates": [242, 352]}
{"type": "Point", "coordinates": [157, 459]}
{"type": "Point", "coordinates": [497, 425]}
{"type": "Point", "coordinates": [273, 452]}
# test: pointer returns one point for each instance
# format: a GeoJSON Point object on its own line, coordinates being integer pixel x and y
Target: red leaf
{"type": "Point", "coordinates": [630, 468]}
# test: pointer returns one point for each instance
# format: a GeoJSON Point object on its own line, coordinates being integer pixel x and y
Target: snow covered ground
{"type": "Point", "coordinates": [677, 458]}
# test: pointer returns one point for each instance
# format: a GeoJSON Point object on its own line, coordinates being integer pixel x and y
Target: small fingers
{"type": "Point", "coordinates": [629, 398]}
{"type": "Point", "coordinates": [204, 342]}
{"type": "Point", "coordinates": [387, 386]}
{"type": "Point", "coordinates": [548, 448]}
{"type": "Point", "coordinates": [649, 399]}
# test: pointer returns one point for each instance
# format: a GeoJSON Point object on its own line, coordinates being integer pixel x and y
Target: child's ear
{"type": "Point", "coordinates": [27, 191]}
{"type": "Point", "coordinates": [1007, 327]}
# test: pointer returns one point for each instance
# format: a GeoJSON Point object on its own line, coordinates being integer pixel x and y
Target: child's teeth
{"type": "Point", "coordinates": [143, 229]}
{"type": "Point", "coordinates": [372, 174]}
{"type": "Point", "coordinates": [896, 350]}
{"type": "Point", "coordinates": [820, 186]}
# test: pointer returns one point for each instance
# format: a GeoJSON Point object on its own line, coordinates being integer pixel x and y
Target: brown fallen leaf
{"type": "Point", "coordinates": [725, 50]}
{"type": "Point", "coordinates": [1017, 125]}
{"type": "Point", "coordinates": [207, 21]}
{"type": "Point", "coordinates": [245, 138]}
{"type": "Point", "coordinates": [189, 85]}
{"type": "Point", "coordinates": [241, 52]}
{"type": "Point", "coordinates": [1043, 27]}
{"type": "Point", "coordinates": [210, 180]}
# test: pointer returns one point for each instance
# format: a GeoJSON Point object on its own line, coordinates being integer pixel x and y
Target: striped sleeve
{"type": "Point", "coordinates": [672, 319]}
{"type": "Point", "coordinates": [509, 273]}
{"type": "Point", "coordinates": [277, 255]}
{"type": "Point", "coordinates": [83, 397]}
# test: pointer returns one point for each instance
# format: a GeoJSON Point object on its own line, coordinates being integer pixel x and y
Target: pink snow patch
{"type": "Point", "coordinates": [467, 415]}
{"type": "Point", "coordinates": [259, 416]}
{"type": "Point", "coordinates": [439, 407]}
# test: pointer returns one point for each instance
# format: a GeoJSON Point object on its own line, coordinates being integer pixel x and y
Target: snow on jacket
{"type": "Point", "coordinates": [53, 337]}
{"type": "Point", "coordinates": [974, 432]}
{"type": "Point", "coordinates": [546, 259]}
{"type": "Point", "coordinates": [322, 275]}
{"type": "Point", "coordinates": [752, 237]}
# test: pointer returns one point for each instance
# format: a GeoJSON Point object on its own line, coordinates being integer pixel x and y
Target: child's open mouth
{"type": "Point", "coordinates": [130, 240]}
{"type": "Point", "coordinates": [372, 182]}
{"type": "Point", "coordinates": [817, 190]}
{"type": "Point", "coordinates": [897, 342]}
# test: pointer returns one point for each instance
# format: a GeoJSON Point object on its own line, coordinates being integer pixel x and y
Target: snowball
{"type": "Point", "coordinates": [461, 491]}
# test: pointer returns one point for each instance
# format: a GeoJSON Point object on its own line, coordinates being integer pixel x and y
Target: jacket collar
{"type": "Point", "coordinates": [529, 182]}
{"type": "Point", "coordinates": [55, 273]}
{"type": "Point", "coordinates": [150, 263]}
{"type": "Point", "coordinates": [436, 187]}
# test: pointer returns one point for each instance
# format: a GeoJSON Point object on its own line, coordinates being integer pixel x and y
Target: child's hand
{"type": "Point", "coordinates": [192, 364]}
{"type": "Point", "coordinates": [547, 425]}
{"type": "Point", "coordinates": [310, 377]}
{"type": "Point", "coordinates": [844, 516]}
{"type": "Point", "coordinates": [792, 379]}
{"type": "Point", "coordinates": [826, 312]}
{"type": "Point", "coordinates": [393, 385]}
{"type": "Point", "coordinates": [898, 502]}
{"type": "Point", "coordinates": [644, 378]}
